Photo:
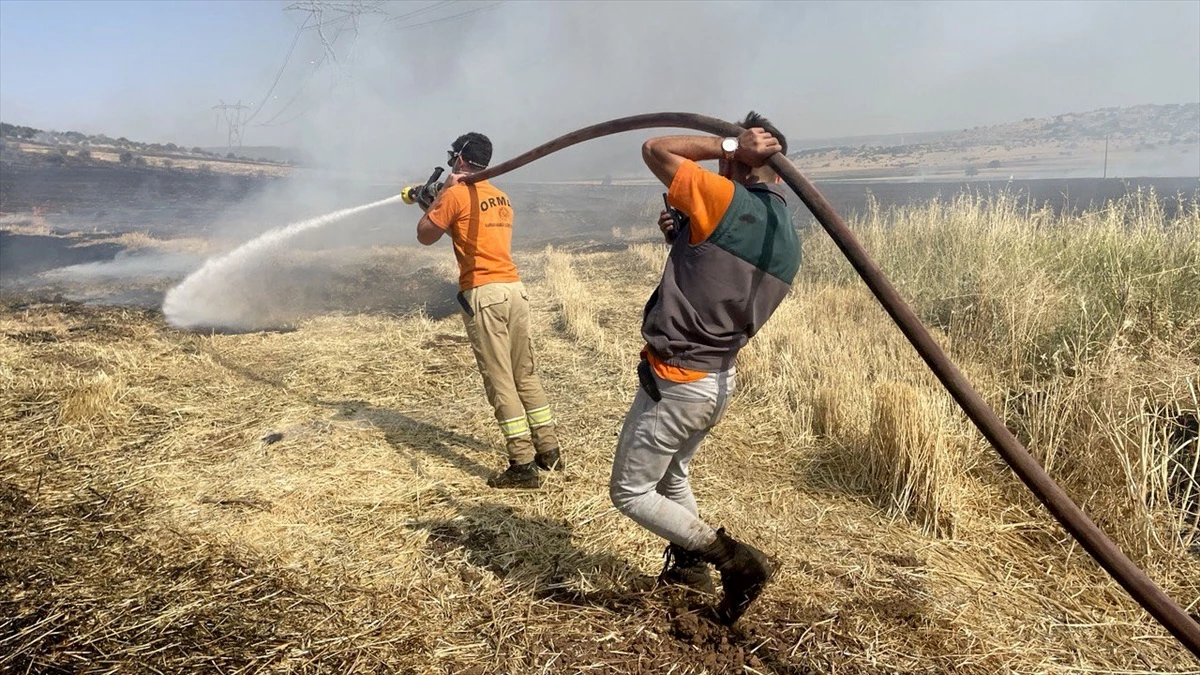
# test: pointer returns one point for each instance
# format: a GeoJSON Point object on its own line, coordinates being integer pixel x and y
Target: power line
{"type": "Point", "coordinates": [349, 10]}
{"type": "Point", "coordinates": [452, 16]}
{"type": "Point", "coordinates": [271, 122]}
{"type": "Point", "coordinates": [417, 12]}
{"type": "Point", "coordinates": [316, 9]}
{"type": "Point", "coordinates": [303, 86]}
{"type": "Point", "coordinates": [332, 23]}
{"type": "Point", "coordinates": [349, 14]}
{"type": "Point", "coordinates": [304, 111]}
{"type": "Point", "coordinates": [286, 60]}
{"type": "Point", "coordinates": [295, 97]}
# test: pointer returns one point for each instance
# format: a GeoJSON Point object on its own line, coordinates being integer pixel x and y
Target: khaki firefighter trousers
{"type": "Point", "coordinates": [496, 316]}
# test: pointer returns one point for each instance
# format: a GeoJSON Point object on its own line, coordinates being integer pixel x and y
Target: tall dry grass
{"type": "Point", "coordinates": [576, 304]}
{"type": "Point", "coordinates": [653, 255]}
{"type": "Point", "coordinates": [913, 463]}
{"type": "Point", "coordinates": [1083, 329]}
{"type": "Point", "coordinates": [1029, 291]}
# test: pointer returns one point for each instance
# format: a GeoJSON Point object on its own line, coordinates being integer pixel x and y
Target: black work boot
{"type": "Point", "coordinates": [686, 568]}
{"type": "Point", "coordinates": [550, 460]}
{"type": "Point", "coordinates": [744, 570]}
{"type": "Point", "coordinates": [520, 476]}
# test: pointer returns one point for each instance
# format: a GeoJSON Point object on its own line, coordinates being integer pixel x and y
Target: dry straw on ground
{"type": "Point", "coordinates": [313, 500]}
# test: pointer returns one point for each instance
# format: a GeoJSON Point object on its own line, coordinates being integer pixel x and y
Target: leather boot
{"type": "Point", "coordinates": [686, 568]}
{"type": "Point", "coordinates": [550, 460]}
{"type": "Point", "coordinates": [744, 570]}
{"type": "Point", "coordinates": [520, 476]}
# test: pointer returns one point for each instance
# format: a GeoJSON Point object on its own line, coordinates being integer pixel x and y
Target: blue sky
{"type": "Point", "coordinates": [91, 64]}
{"type": "Point", "coordinates": [523, 70]}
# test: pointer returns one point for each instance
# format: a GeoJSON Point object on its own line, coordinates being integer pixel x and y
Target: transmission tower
{"type": "Point", "coordinates": [330, 19]}
{"type": "Point", "coordinates": [233, 117]}
{"type": "Point", "coordinates": [324, 14]}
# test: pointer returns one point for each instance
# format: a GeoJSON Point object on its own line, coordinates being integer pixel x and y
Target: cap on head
{"type": "Point", "coordinates": [474, 148]}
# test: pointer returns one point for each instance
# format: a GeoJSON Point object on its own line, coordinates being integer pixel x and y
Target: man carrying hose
{"type": "Point", "coordinates": [495, 310]}
{"type": "Point", "coordinates": [731, 264]}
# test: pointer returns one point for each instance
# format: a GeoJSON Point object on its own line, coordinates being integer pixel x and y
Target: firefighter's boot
{"type": "Point", "coordinates": [516, 476]}
{"type": "Point", "coordinates": [550, 460]}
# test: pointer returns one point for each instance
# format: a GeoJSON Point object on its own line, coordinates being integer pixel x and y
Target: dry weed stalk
{"type": "Point", "coordinates": [653, 255]}
{"type": "Point", "coordinates": [914, 467]}
{"type": "Point", "coordinates": [575, 304]}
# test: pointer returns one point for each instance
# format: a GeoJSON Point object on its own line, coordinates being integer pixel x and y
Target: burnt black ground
{"type": "Point", "coordinates": [84, 199]}
{"type": "Point", "coordinates": [189, 203]}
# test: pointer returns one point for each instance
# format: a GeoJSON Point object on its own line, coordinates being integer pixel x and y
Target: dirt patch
{"type": "Point", "coordinates": [653, 631]}
{"type": "Point", "coordinates": [674, 631]}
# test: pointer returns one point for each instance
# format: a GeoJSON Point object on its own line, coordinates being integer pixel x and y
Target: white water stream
{"type": "Point", "coordinates": [203, 298]}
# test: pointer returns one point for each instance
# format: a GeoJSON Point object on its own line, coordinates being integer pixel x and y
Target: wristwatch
{"type": "Point", "coordinates": [729, 145]}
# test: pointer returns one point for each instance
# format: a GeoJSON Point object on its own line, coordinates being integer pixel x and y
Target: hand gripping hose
{"type": "Point", "coordinates": [1076, 522]}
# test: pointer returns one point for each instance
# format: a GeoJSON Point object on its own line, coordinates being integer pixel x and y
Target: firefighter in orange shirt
{"type": "Point", "coordinates": [495, 309]}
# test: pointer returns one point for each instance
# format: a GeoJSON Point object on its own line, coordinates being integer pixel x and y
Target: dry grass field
{"type": "Point", "coordinates": [313, 500]}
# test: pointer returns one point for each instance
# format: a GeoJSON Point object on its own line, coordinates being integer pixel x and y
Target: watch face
{"type": "Point", "coordinates": [729, 144]}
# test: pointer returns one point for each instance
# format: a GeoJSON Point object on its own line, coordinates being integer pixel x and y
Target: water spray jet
{"type": "Point", "coordinates": [202, 300]}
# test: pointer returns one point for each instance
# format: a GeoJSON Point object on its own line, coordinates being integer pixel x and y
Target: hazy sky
{"type": "Point", "coordinates": [524, 72]}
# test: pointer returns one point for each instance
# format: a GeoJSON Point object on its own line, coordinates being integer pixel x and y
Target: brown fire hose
{"type": "Point", "coordinates": [1097, 544]}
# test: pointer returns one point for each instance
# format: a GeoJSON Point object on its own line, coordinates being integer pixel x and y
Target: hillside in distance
{"type": "Point", "coordinates": [1143, 140]}
{"type": "Point", "coordinates": [1148, 140]}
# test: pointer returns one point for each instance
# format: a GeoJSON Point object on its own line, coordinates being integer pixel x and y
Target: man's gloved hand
{"type": "Point", "coordinates": [424, 198]}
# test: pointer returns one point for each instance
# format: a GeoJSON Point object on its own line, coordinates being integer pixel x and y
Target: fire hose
{"type": "Point", "coordinates": [1065, 511]}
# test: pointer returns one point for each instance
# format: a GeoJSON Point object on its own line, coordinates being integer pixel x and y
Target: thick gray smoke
{"type": "Point", "coordinates": [385, 100]}
{"type": "Point", "coordinates": [524, 72]}
{"type": "Point", "coordinates": [128, 266]}
{"type": "Point", "coordinates": [376, 103]}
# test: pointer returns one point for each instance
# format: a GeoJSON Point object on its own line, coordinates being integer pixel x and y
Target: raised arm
{"type": "Point", "coordinates": [665, 154]}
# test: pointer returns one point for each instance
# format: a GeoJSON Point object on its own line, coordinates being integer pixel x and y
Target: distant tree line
{"type": "Point", "coordinates": [13, 131]}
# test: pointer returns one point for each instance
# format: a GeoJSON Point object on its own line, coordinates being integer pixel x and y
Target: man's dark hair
{"type": "Point", "coordinates": [476, 149]}
{"type": "Point", "coordinates": [756, 120]}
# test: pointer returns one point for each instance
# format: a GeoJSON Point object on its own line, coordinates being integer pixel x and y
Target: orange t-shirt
{"type": "Point", "coordinates": [704, 196]}
{"type": "Point", "coordinates": [479, 220]}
